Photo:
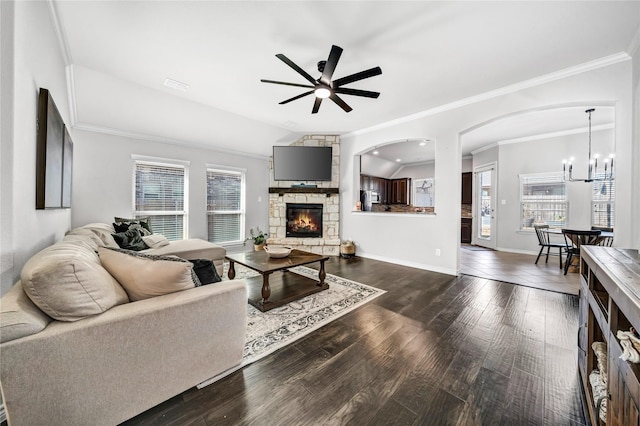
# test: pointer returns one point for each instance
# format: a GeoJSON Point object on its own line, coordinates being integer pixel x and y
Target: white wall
{"type": "Point", "coordinates": [34, 61]}
{"type": "Point", "coordinates": [103, 180]}
{"type": "Point", "coordinates": [414, 240]}
{"type": "Point", "coordinates": [543, 156]}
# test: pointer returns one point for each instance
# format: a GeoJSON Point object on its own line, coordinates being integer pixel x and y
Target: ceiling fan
{"type": "Point", "coordinates": [324, 87]}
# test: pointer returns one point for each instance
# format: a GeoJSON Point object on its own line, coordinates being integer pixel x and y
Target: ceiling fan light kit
{"type": "Point", "coordinates": [324, 87]}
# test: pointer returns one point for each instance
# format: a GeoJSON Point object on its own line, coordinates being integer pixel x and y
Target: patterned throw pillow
{"type": "Point", "coordinates": [205, 271]}
{"type": "Point", "coordinates": [143, 224]}
{"type": "Point", "coordinates": [145, 275]}
{"type": "Point", "coordinates": [130, 239]}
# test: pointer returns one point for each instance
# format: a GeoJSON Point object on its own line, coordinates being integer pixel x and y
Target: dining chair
{"type": "Point", "coordinates": [575, 239]}
{"type": "Point", "coordinates": [604, 240]}
{"type": "Point", "coordinates": [544, 239]}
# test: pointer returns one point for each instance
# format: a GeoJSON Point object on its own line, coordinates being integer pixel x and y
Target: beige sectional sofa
{"type": "Point", "coordinates": [76, 351]}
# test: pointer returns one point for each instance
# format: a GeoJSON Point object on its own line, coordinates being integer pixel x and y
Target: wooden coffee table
{"type": "Point", "coordinates": [282, 288]}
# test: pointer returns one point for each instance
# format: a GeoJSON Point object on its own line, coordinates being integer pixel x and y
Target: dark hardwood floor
{"type": "Point", "coordinates": [433, 350]}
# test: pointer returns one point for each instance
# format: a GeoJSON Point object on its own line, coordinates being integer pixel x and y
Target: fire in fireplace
{"type": "Point", "coordinates": [304, 220]}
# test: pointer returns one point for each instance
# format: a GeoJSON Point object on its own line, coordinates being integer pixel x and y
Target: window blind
{"type": "Point", "coordinates": [603, 195]}
{"type": "Point", "coordinates": [225, 205]}
{"type": "Point", "coordinates": [543, 199]}
{"type": "Point", "coordinates": [160, 194]}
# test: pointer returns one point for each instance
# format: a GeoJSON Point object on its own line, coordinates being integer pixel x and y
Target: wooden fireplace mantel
{"type": "Point", "coordinates": [304, 190]}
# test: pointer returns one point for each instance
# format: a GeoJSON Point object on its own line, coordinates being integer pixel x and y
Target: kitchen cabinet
{"type": "Point", "coordinates": [467, 185]}
{"type": "Point", "coordinates": [465, 230]}
{"type": "Point", "coordinates": [400, 191]}
{"type": "Point", "coordinates": [374, 183]}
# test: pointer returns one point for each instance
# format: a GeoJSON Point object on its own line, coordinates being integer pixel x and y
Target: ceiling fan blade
{"type": "Point", "coordinates": [296, 97]}
{"type": "Point", "coordinates": [342, 104]}
{"type": "Point", "coordinates": [357, 76]}
{"type": "Point", "coordinates": [316, 105]}
{"type": "Point", "coordinates": [330, 66]}
{"type": "Point", "coordinates": [295, 67]}
{"type": "Point", "coordinates": [285, 83]}
{"type": "Point", "coordinates": [356, 92]}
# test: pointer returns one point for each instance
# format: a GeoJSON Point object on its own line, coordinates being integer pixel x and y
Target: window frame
{"type": "Point", "coordinates": [612, 202]}
{"type": "Point", "coordinates": [168, 163]}
{"type": "Point", "coordinates": [553, 177]}
{"type": "Point", "coordinates": [242, 172]}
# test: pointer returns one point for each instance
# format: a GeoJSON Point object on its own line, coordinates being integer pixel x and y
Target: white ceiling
{"type": "Point", "coordinates": [431, 54]}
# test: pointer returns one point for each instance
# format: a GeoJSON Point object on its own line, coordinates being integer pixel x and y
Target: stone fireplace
{"type": "Point", "coordinates": [316, 225]}
{"type": "Point", "coordinates": [304, 220]}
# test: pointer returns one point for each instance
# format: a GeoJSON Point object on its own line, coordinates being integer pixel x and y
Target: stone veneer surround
{"type": "Point", "coordinates": [329, 244]}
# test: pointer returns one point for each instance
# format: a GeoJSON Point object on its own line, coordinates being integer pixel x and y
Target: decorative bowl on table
{"type": "Point", "coordinates": [277, 251]}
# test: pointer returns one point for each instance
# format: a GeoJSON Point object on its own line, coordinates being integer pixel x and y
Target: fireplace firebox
{"type": "Point", "coordinates": [304, 220]}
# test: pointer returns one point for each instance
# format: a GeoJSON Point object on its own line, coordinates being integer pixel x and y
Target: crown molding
{"type": "Point", "coordinates": [60, 34]}
{"type": "Point", "coordinates": [484, 148]}
{"type": "Point", "coordinates": [160, 139]}
{"type": "Point", "coordinates": [560, 133]}
{"type": "Point", "coordinates": [71, 94]}
{"type": "Point", "coordinates": [541, 136]}
{"type": "Point", "coordinates": [537, 81]}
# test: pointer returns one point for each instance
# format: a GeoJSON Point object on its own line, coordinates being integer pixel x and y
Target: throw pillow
{"type": "Point", "coordinates": [130, 240]}
{"type": "Point", "coordinates": [67, 282]}
{"type": "Point", "coordinates": [205, 271]}
{"type": "Point", "coordinates": [145, 275]}
{"type": "Point", "coordinates": [142, 223]}
{"type": "Point", "coordinates": [155, 240]}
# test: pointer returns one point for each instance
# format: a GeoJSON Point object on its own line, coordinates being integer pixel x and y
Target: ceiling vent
{"type": "Point", "coordinates": [174, 84]}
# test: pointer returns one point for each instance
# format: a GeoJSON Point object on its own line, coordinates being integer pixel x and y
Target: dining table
{"type": "Point", "coordinates": [605, 238]}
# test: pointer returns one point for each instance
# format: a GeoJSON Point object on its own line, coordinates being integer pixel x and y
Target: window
{"type": "Point", "coordinates": [603, 195]}
{"type": "Point", "coordinates": [225, 205]}
{"type": "Point", "coordinates": [543, 200]}
{"type": "Point", "coordinates": [160, 192]}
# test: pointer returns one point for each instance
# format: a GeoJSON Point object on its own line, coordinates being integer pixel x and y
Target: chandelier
{"type": "Point", "coordinates": [592, 174]}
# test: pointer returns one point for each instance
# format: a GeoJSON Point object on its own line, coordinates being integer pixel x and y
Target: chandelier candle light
{"type": "Point", "coordinates": [593, 164]}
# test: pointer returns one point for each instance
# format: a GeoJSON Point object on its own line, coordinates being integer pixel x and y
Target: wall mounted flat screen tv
{"type": "Point", "coordinates": [302, 163]}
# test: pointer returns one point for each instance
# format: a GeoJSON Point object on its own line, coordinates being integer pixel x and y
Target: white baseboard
{"type": "Point", "coordinates": [510, 250]}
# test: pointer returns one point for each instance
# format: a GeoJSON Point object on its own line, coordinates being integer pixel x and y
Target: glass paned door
{"type": "Point", "coordinates": [485, 206]}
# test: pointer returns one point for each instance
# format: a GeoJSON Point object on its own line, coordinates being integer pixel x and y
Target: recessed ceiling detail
{"type": "Point", "coordinates": [177, 85]}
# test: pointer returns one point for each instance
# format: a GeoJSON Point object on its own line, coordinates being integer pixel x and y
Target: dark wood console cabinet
{"type": "Point", "coordinates": [609, 301]}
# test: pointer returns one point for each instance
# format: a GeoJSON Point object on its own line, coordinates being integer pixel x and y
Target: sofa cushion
{"type": "Point", "coordinates": [155, 240]}
{"type": "Point", "coordinates": [102, 230]}
{"type": "Point", "coordinates": [131, 239]}
{"type": "Point", "coordinates": [193, 248]}
{"type": "Point", "coordinates": [19, 317]}
{"type": "Point", "coordinates": [144, 276]}
{"type": "Point", "coordinates": [84, 237]}
{"type": "Point", "coordinates": [67, 282]}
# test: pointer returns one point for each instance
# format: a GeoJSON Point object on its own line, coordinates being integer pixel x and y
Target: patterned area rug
{"type": "Point", "coordinates": [269, 331]}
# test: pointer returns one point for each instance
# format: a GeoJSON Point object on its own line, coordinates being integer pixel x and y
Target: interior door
{"type": "Point", "coordinates": [485, 206]}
